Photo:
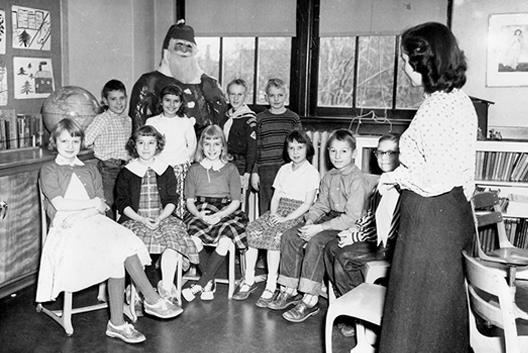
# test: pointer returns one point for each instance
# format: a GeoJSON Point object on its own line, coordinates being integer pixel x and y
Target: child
{"type": "Point", "coordinates": [295, 187]}
{"type": "Point", "coordinates": [346, 256]}
{"type": "Point", "coordinates": [146, 197]}
{"type": "Point", "coordinates": [83, 247]}
{"type": "Point", "coordinates": [109, 133]}
{"type": "Point", "coordinates": [342, 196]}
{"type": "Point", "coordinates": [273, 125]}
{"type": "Point", "coordinates": [240, 129]}
{"type": "Point", "coordinates": [212, 189]}
{"type": "Point", "coordinates": [180, 138]}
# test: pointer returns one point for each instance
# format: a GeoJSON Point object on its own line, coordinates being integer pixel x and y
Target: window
{"type": "Point", "coordinates": [365, 81]}
{"type": "Point", "coordinates": [255, 60]}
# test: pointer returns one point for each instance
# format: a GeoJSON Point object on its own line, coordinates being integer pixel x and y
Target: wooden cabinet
{"type": "Point", "coordinates": [20, 229]}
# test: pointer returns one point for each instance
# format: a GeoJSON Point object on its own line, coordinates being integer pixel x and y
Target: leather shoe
{"type": "Point", "coordinates": [300, 312]}
{"type": "Point", "coordinates": [244, 290]}
{"type": "Point", "coordinates": [284, 300]}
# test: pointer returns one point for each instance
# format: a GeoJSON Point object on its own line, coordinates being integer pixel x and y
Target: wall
{"type": "Point", "coordinates": [470, 25]}
{"type": "Point", "coordinates": [111, 39]}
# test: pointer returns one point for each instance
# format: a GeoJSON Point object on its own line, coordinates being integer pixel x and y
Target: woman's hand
{"type": "Point", "coordinates": [308, 231]}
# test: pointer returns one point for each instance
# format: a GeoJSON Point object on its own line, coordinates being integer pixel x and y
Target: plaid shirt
{"type": "Point", "coordinates": [109, 133]}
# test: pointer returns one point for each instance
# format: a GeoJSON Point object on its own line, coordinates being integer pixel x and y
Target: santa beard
{"type": "Point", "coordinates": [184, 68]}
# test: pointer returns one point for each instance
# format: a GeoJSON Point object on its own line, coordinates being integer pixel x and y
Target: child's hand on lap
{"type": "Point", "coordinates": [275, 218]}
{"type": "Point", "coordinates": [150, 223]}
{"type": "Point", "coordinates": [345, 237]}
{"type": "Point", "coordinates": [255, 181]}
{"type": "Point", "coordinates": [308, 231]}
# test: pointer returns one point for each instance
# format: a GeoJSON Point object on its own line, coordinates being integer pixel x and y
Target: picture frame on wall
{"type": "Point", "coordinates": [507, 57]}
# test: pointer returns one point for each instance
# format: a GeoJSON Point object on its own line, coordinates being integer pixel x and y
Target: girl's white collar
{"type": "Point", "coordinates": [60, 160]}
{"type": "Point", "coordinates": [138, 168]}
{"type": "Point", "coordinates": [215, 165]}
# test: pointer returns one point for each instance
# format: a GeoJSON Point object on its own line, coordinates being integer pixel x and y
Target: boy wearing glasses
{"type": "Point", "coordinates": [347, 255]}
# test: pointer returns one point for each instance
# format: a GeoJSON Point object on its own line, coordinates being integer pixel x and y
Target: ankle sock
{"type": "Point", "coordinates": [310, 299]}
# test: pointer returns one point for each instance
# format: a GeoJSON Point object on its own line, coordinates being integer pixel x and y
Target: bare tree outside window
{"type": "Point", "coordinates": [375, 72]}
{"type": "Point", "coordinates": [336, 71]}
{"type": "Point", "coordinates": [273, 62]}
{"type": "Point", "coordinates": [209, 55]}
{"type": "Point", "coordinates": [239, 62]}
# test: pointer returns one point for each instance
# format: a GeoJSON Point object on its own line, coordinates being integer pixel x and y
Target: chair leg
{"type": "Point", "coordinates": [362, 345]}
{"type": "Point", "coordinates": [130, 309]}
{"type": "Point", "coordinates": [231, 280]}
{"type": "Point", "coordinates": [179, 278]}
{"type": "Point", "coordinates": [329, 326]}
{"type": "Point", "coordinates": [101, 295]}
{"type": "Point", "coordinates": [67, 313]}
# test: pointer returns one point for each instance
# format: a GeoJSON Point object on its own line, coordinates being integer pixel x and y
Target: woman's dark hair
{"type": "Point", "coordinates": [434, 53]}
{"type": "Point", "coordinates": [302, 138]}
{"type": "Point", "coordinates": [174, 91]}
{"type": "Point", "coordinates": [69, 125]}
{"type": "Point", "coordinates": [145, 130]}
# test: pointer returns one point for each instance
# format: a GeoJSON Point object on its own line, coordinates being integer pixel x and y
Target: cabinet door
{"type": "Point", "coordinates": [19, 231]}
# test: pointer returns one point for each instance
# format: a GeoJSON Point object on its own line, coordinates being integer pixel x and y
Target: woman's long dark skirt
{"type": "Point", "coordinates": [425, 308]}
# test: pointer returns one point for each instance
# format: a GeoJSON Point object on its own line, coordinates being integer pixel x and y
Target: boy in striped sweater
{"type": "Point", "coordinates": [273, 125]}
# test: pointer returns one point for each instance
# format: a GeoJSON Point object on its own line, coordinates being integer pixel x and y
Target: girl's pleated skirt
{"type": "Point", "coordinates": [232, 226]}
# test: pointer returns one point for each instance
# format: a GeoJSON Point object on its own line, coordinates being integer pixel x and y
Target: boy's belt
{"type": "Point", "coordinates": [114, 162]}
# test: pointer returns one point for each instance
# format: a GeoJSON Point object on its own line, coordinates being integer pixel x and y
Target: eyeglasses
{"type": "Point", "coordinates": [380, 154]}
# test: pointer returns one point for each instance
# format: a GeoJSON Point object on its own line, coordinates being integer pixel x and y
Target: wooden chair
{"type": "Point", "coordinates": [486, 211]}
{"type": "Point", "coordinates": [365, 303]}
{"type": "Point", "coordinates": [484, 285]}
{"type": "Point", "coordinates": [63, 317]}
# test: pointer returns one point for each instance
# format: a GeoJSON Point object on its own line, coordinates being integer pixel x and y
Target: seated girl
{"type": "Point", "coordinates": [83, 247]}
{"type": "Point", "coordinates": [146, 198]}
{"type": "Point", "coordinates": [213, 190]}
{"type": "Point", "coordinates": [295, 187]}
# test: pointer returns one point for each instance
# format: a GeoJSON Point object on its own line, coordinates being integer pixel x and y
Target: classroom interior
{"type": "Point", "coordinates": [93, 41]}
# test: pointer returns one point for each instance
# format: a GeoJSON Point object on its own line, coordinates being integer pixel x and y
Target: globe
{"type": "Point", "coordinates": [71, 102]}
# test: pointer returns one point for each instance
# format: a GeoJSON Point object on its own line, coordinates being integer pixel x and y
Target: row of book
{"type": "Point", "coordinates": [516, 230]}
{"type": "Point", "coordinates": [501, 166]}
{"type": "Point", "coordinates": [20, 130]}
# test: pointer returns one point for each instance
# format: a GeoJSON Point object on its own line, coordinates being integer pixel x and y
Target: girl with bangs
{"type": "Point", "coordinates": [213, 190]}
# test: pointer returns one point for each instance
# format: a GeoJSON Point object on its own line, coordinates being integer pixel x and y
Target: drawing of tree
{"type": "Point", "coordinates": [26, 88]}
{"type": "Point", "coordinates": [24, 38]}
{"type": "Point", "coordinates": [21, 71]}
{"type": "Point", "coordinates": [2, 27]}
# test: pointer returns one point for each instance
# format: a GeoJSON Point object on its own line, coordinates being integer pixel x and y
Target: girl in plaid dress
{"type": "Point", "coordinates": [146, 197]}
{"type": "Point", "coordinates": [212, 189]}
{"type": "Point", "coordinates": [295, 187]}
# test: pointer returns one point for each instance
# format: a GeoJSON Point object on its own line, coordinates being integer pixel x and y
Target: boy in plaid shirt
{"type": "Point", "coordinates": [109, 133]}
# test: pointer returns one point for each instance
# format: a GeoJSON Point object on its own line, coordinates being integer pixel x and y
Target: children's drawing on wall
{"type": "Point", "coordinates": [33, 77]}
{"type": "Point", "coordinates": [31, 28]}
{"type": "Point", "coordinates": [515, 50]}
{"type": "Point", "coordinates": [2, 32]}
{"type": "Point", "coordinates": [3, 82]}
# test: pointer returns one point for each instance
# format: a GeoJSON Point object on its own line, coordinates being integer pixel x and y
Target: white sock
{"type": "Point", "coordinates": [251, 259]}
{"type": "Point", "coordinates": [310, 299]}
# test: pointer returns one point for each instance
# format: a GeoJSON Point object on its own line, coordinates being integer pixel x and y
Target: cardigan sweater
{"type": "Point", "coordinates": [128, 190]}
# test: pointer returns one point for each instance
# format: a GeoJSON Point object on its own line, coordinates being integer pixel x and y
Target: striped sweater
{"type": "Point", "coordinates": [272, 130]}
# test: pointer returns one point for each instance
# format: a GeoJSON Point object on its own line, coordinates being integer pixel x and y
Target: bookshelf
{"type": "Point", "coordinates": [20, 131]}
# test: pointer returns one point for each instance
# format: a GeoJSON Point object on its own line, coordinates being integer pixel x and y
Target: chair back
{"type": "Point", "coordinates": [43, 215]}
{"type": "Point", "coordinates": [486, 211]}
{"type": "Point", "coordinates": [484, 285]}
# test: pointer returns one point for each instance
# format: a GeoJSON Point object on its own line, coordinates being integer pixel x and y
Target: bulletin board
{"type": "Point", "coordinates": [30, 53]}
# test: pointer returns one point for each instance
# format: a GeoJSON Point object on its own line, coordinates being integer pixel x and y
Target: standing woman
{"type": "Point", "coordinates": [425, 308]}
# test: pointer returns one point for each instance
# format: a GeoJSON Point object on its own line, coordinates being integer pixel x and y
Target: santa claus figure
{"type": "Point", "coordinates": [204, 101]}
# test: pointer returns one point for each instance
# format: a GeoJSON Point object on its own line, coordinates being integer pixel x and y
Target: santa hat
{"type": "Point", "coordinates": [179, 31]}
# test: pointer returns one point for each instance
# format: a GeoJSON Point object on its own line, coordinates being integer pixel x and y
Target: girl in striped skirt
{"type": "Point", "coordinates": [212, 189]}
